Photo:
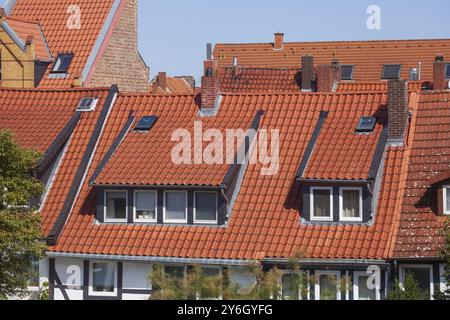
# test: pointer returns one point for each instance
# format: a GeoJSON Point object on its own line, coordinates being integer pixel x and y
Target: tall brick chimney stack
{"type": "Point", "coordinates": [397, 110]}
{"type": "Point", "coordinates": [439, 81]}
{"type": "Point", "coordinates": [162, 80]}
{"type": "Point", "coordinates": [328, 76]}
{"type": "Point", "coordinates": [210, 81]}
{"type": "Point", "coordinates": [307, 73]}
{"type": "Point", "coordinates": [279, 41]}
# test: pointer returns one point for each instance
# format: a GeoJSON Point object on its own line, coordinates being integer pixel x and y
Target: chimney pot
{"type": "Point", "coordinates": [279, 41]}
{"type": "Point", "coordinates": [397, 110]}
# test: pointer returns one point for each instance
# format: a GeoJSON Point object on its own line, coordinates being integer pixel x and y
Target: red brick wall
{"type": "Point", "coordinates": [397, 109]}
{"type": "Point", "coordinates": [307, 72]}
{"type": "Point", "coordinates": [210, 84]}
{"type": "Point", "coordinates": [328, 76]}
{"type": "Point", "coordinates": [439, 82]}
{"type": "Point", "coordinates": [121, 62]}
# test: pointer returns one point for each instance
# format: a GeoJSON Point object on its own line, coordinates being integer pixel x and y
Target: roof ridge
{"type": "Point", "coordinates": [54, 89]}
{"type": "Point", "coordinates": [24, 21]}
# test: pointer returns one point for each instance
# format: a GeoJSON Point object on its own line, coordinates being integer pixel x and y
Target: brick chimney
{"type": "Point", "coordinates": [279, 41]}
{"type": "Point", "coordinates": [328, 76]}
{"type": "Point", "coordinates": [439, 81]}
{"type": "Point", "coordinates": [397, 110]}
{"type": "Point", "coordinates": [162, 80]}
{"type": "Point", "coordinates": [210, 84]}
{"type": "Point", "coordinates": [307, 73]}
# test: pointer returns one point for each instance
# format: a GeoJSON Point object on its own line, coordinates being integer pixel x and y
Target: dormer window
{"type": "Point", "coordinates": [116, 209]}
{"type": "Point", "coordinates": [347, 72]}
{"type": "Point", "coordinates": [62, 63]}
{"type": "Point", "coordinates": [145, 206]}
{"type": "Point", "coordinates": [446, 199]}
{"type": "Point", "coordinates": [206, 208]}
{"type": "Point", "coordinates": [391, 71]}
{"type": "Point", "coordinates": [321, 204]}
{"type": "Point", "coordinates": [350, 202]}
{"type": "Point", "coordinates": [175, 207]}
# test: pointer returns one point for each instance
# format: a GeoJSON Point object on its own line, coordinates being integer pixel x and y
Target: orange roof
{"type": "Point", "coordinates": [24, 29]}
{"type": "Point", "coordinates": [265, 221]}
{"type": "Point", "coordinates": [54, 16]}
{"type": "Point", "coordinates": [345, 86]}
{"type": "Point", "coordinates": [175, 85]}
{"type": "Point", "coordinates": [419, 226]}
{"type": "Point", "coordinates": [368, 56]}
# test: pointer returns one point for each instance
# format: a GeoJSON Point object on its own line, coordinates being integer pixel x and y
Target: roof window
{"type": "Point", "coordinates": [87, 104]}
{"type": "Point", "coordinates": [391, 71]}
{"type": "Point", "coordinates": [366, 125]}
{"type": "Point", "coordinates": [62, 63]}
{"type": "Point", "coordinates": [146, 123]}
{"type": "Point", "coordinates": [347, 72]}
{"type": "Point", "coordinates": [447, 71]}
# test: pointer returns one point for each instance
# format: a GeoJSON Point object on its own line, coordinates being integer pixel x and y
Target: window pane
{"type": "Point", "coordinates": [116, 205]}
{"type": "Point", "coordinates": [347, 72]}
{"type": "Point", "coordinates": [364, 293]}
{"type": "Point", "coordinates": [422, 276]}
{"type": "Point", "coordinates": [447, 194]}
{"type": "Point", "coordinates": [174, 272]}
{"type": "Point", "coordinates": [176, 206]}
{"type": "Point", "coordinates": [391, 71]}
{"type": "Point", "coordinates": [447, 71]}
{"type": "Point", "coordinates": [322, 208]}
{"type": "Point", "coordinates": [290, 291]}
{"type": "Point", "coordinates": [350, 204]}
{"type": "Point", "coordinates": [34, 280]}
{"type": "Point", "coordinates": [146, 205]}
{"type": "Point", "coordinates": [328, 287]}
{"type": "Point", "coordinates": [103, 277]}
{"type": "Point", "coordinates": [205, 206]}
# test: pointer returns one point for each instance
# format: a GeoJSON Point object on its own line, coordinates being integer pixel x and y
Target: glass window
{"type": "Point", "coordinates": [289, 287]}
{"type": "Point", "coordinates": [206, 207]}
{"type": "Point", "coordinates": [176, 206]}
{"type": "Point", "coordinates": [321, 204]}
{"type": "Point", "coordinates": [351, 204]}
{"type": "Point", "coordinates": [362, 290]}
{"type": "Point", "coordinates": [447, 71]}
{"type": "Point", "coordinates": [391, 71]}
{"type": "Point", "coordinates": [34, 279]}
{"type": "Point", "coordinates": [145, 205]}
{"type": "Point", "coordinates": [347, 72]}
{"type": "Point", "coordinates": [328, 287]}
{"type": "Point", "coordinates": [62, 63]}
{"type": "Point", "coordinates": [103, 277]}
{"type": "Point", "coordinates": [173, 272]}
{"type": "Point", "coordinates": [447, 199]}
{"type": "Point", "coordinates": [422, 276]}
{"type": "Point", "coordinates": [116, 205]}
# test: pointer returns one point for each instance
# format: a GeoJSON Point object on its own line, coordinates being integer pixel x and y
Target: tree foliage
{"type": "Point", "coordinates": [445, 255]}
{"type": "Point", "coordinates": [409, 290]}
{"type": "Point", "coordinates": [20, 232]}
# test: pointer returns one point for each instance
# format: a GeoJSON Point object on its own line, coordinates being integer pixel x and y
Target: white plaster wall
{"type": "Point", "coordinates": [70, 272]}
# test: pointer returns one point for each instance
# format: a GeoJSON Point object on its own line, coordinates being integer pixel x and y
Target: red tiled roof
{"type": "Point", "coordinates": [175, 85]}
{"type": "Point", "coordinates": [53, 16]}
{"type": "Point", "coordinates": [37, 117]}
{"type": "Point", "coordinates": [420, 227]}
{"type": "Point", "coordinates": [265, 221]}
{"type": "Point", "coordinates": [377, 86]}
{"type": "Point", "coordinates": [24, 29]}
{"type": "Point", "coordinates": [368, 56]}
{"type": "Point", "coordinates": [269, 80]}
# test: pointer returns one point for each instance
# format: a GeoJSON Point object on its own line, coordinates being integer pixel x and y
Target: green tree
{"type": "Point", "coordinates": [445, 255]}
{"type": "Point", "coordinates": [410, 290]}
{"type": "Point", "coordinates": [19, 226]}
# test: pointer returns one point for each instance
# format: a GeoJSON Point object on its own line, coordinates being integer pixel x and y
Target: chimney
{"type": "Point", "coordinates": [162, 80]}
{"type": "Point", "coordinates": [2, 13]}
{"type": "Point", "coordinates": [209, 52]}
{"type": "Point", "coordinates": [279, 41]}
{"type": "Point", "coordinates": [307, 73]}
{"type": "Point", "coordinates": [397, 110]}
{"type": "Point", "coordinates": [210, 85]}
{"type": "Point", "coordinates": [439, 82]}
{"type": "Point", "coordinates": [328, 76]}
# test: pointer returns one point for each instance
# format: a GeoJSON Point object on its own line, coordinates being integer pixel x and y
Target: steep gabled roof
{"type": "Point", "coordinates": [419, 226]}
{"type": "Point", "coordinates": [367, 56]}
{"type": "Point", "coordinates": [58, 21]}
{"type": "Point", "coordinates": [266, 220]}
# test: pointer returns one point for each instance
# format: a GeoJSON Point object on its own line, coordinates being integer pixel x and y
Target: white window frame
{"type": "Point", "coordinates": [195, 208]}
{"type": "Point", "coordinates": [321, 219]}
{"type": "Point", "coordinates": [176, 221]}
{"type": "Point", "coordinates": [336, 274]}
{"type": "Point", "coordinates": [352, 74]}
{"type": "Point", "coordinates": [356, 276]}
{"type": "Point", "coordinates": [105, 217]}
{"type": "Point", "coordinates": [444, 199]}
{"type": "Point", "coordinates": [91, 280]}
{"type": "Point", "coordinates": [135, 219]}
{"type": "Point", "coordinates": [418, 266]}
{"type": "Point", "coordinates": [341, 204]}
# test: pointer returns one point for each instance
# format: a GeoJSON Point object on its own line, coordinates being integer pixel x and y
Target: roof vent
{"type": "Point", "coordinates": [366, 125]}
{"type": "Point", "coordinates": [414, 74]}
{"type": "Point", "coordinates": [146, 123]}
{"type": "Point", "coordinates": [87, 104]}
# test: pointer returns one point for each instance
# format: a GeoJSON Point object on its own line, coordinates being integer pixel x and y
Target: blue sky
{"type": "Point", "coordinates": [173, 33]}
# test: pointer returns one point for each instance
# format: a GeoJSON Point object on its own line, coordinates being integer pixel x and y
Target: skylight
{"type": "Point", "coordinates": [87, 104]}
{"type": "Point", "coordinates": [391, 71]}
{"type": "Point", "coordinates": [62, 63]}
{"type": "Point", "coordinates": [366, 125]}
{"type": "Point", "coordinates": [347, 72]}
{"type": "Point", "coordinates": [146, 123]}
{"type": "Point", "coordinates": [447, 71]}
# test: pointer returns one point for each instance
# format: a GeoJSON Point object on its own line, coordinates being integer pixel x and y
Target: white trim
{"type": "Point", "coordinates": [135, 219]}
{"type": "Point", "coordinates": [444, 199]}
{"type": "Point", "coordinates": [356, 276]}
{"type": "Point", "coordinates": [336, 274]}
{"type": "Point", "coordinates": [105, 216]}
{"type": "Point", "coordinates": [312, 217]}
{"type": "Point", "coordinates": [180, 221]}
{"type": "Point", "coordinates": [195, 209]}
{"type": "Point", "coordinates": [341, 204]}
{"type": "Point", "coordinates": [91, 107]}
{"type": "Point", "coordinates": [91, 280]}
{"type": "Point", "coordinates": [418, 266]}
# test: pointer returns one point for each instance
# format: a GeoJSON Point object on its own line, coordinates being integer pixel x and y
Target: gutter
{"type": "Point", "coordinates": [331, 262]}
